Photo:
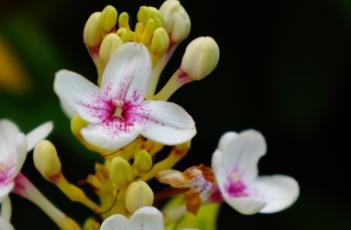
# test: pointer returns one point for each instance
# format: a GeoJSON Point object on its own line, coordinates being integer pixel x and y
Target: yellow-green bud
{"type": "Point", "coordinates": [123, 20]}
{"type": "Point", "coordinates": [160, 41]}
{"type": "Point", "coordinates": [142, 162]}
{"type": "Point", "coordinates": [109, 46]}
{"type": "Point", "coordinates": [200, 58]}
{"type": "Point", "coordinates": [108, 18]}
{"type": "Point", "coordinates": [46, 160]}
{"type": "Point", "coordinates": [138, 195]}
{"type": "Point", "coordinates": [120, 172]}
{"type": "Point", "coordinates": [92, 33]}
{"type": "Point", "coordinates": [177, 20]}
{"type": "Point", "coordinates": [124, 34]}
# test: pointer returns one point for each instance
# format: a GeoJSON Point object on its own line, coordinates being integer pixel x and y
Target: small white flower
{"type": "Point", "coordinates": [117, 112]}
{"type": "Point", "coordinates": [146, 218]}
{"type": "Point", "coordinates": [234, 164]}
{"type": "Point", "coordinates": [14, 146]}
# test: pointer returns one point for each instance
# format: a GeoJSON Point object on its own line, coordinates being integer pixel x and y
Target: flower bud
{"type": "Point", "coordinates": [46, 160]}
{"type": "Point", "coordinates": [109, 46]}
{"type": "Point", "coordinates": [108, 18]}
{"type": "Point", "coordinates": [160, 41]}
{"type": "Point", "coordinates": [138, 195]}
{"type": "Point", "coordinates": [142, 162]}
{"type": "Point", "coordinates": [200, 58]}
{"type": "Point", "coordinates": [177, 21]}
{"type": "Point", "coordinates": [92, 33]}
{"type": "Point", "coordinates": [120, 172]}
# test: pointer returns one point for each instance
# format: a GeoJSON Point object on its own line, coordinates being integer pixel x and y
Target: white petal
{"type": "Point", "coordinates": [67, 109]}
{"type": "Point", "coordinates": [279, 192]}
{"type": "Point", "coordinates": [8, 133]}
{"type": "Point", "coordinates": [38, 134]}
{"type": "Point", "coordinates": [167, 123]}
{"type": "Point", "coordinates": [247, 205]}
{"type": "Point", "coordinates": [77, 93]}
{"type": "Point", "coordinates": [115, 222]}
{"type": "Point", "coordinates": [5, 225]}
{"type": "Point", "coordinates": [5, 189]}
{"type": "Point", "coordinates": [21, 150]}
{"type": "Point", "coordinates": [243, 154]}
{"type": "Point", "coordinates": [6, 209]}
{"type": "Point", "coordinates": [110, 138]}
{"type": "Point", "coordinates": [226, 139]}
{"type": "Point", "coordinates": [147, 218]}
{"type": "Point", "coordinates": [127, 72]}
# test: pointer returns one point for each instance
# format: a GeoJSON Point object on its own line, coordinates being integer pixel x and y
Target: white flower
{"type": "Point", "coordinates": [14, 146]}
{"type": "Point", "coordinates": [146, 218]}
{"type": "Point", "coordinates": [234, 164]}
{"type": "Point", "coordinates": [117, 112]}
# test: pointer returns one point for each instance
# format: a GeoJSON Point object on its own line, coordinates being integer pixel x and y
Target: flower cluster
{"type": "Point", "coordinates": [122, 118]}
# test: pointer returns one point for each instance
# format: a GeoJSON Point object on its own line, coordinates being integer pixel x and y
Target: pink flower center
{"type": "Point", "coordinates": [235, 187]}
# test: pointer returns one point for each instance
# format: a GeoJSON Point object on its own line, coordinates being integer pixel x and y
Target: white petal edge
{"type": "Point", "coordinates": [8, 132]}
{"type": "Point", "coordinates": [101, 137]}
{"type": "Point", "coordinates": [127, 71]}
{"type": "Point", "coordinates": [21, 151]}
{"type": "Point", "coordinates": [38, 134]}
{"type": "Point", "coordinates": [226, 139]}
{"type": "Point", "coordinates": [6, 209]}
{"type": "Point", "coordinates": [279, 192]}
{"type": "Point", "coordinates": [246, 205]}
{"type": "Point", "coordinates": [115, 222]}
{"type": "Point", "coordinates": [5, 225]}
{"type": "Point", "coordinates": [243, 154]}
{"type": "Point", "coordinates": [146, 218]}
{"type": "Point", "coordinates": [75, 91]}
{"type": "Point", "coordinates": [169, 123]}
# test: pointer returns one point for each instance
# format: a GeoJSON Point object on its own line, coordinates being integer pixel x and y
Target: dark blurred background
{"type": "Point", "coordinates": [284, 70]}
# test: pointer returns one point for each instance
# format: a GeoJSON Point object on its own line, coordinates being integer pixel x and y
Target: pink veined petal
{"type": "Point", "coordinates": [5, 189]}
{"type": "Point", "coordinates": [146, 218]}
{"type": "Point", "coordinates": [110, 137]}
{"type": "Point", "coordinates": [279, 192]}
{"type": "Point", "coordinates": [243, 153]}
{"type": "Point", "coordinates": [115, 222]}
{"type": "Point", "coordinates": [5, 225]}
{"type": "Point", "coordinates": [8, 132]}
{"type": "Point", "coordinates": [38, 134]}
{"type": "Point", "coordinates": [167, 123]}
{"type": "Point", "coordinates": [127, 74]}
{"type": "Point", "coordinates": [6, 209]}
{"type": "Point", "coordinates": [77, 93]}
{"type": "Point", "coordinates": [246, 205]}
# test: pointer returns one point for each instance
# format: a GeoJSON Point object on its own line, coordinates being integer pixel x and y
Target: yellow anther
{"type": "Point", "coordinates": [92, 33]}
{"type": "Point", "coordinates": [120, 172]}
{"type": "Point", "coordinates": [139, 29]}
{"type": "Point", "coordinates": [200, 58]}
{"type": "Point", "coordinates": [125, 34]}
{"type": "Point", "coordinates": [109, 46]}
{"type": "Point", "coordinates": [148, 31]}
{"type": "Point", "coordinates": [123, 20]}
{"type": "Point", "coordinates": [160, 41]}
{"type": "Point", "coordinates": [138, 195]}
{"type": "Point", "coordinates": [142, 162]}
{"type": "Point", "coordinates": [157, 16]}
{"type": "Point", "coordinates": [108, 18]}
{"type": "Point", "coordinates": [46, 160]}
{"type": "Point", "coordinates": [143, 14]}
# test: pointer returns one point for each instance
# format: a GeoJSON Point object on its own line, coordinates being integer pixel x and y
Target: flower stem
{"type": "Point", "coordinates": [25, 189]}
